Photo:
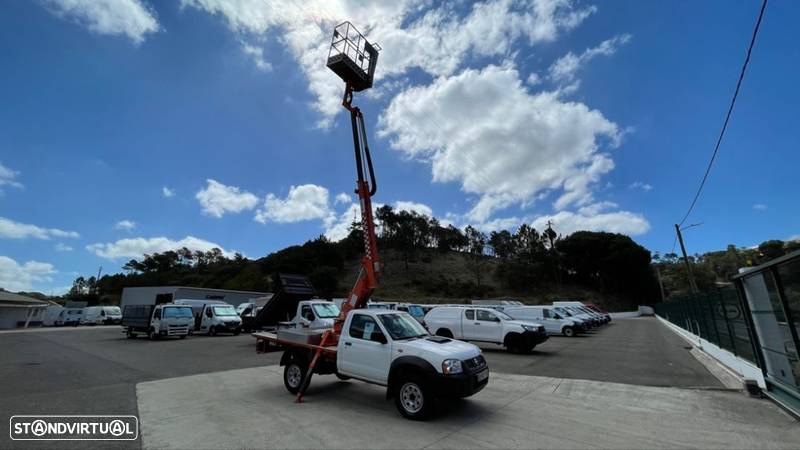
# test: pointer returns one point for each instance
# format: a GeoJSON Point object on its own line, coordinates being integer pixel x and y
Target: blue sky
{"type": "Point", "coordinates": [115, 114]}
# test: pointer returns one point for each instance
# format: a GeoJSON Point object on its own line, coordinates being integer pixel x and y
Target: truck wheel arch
{"type": "Point", "coordinates": [444, 332]}
{"type": "Point", "coordinates": [292, 355]}
{"type": "Point", "coordinates": [404, 366]}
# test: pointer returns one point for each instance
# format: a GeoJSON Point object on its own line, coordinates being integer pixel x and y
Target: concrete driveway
{"type": "Point", "coordinates": [250, 408]}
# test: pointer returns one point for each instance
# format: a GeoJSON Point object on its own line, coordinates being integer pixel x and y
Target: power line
{"type": "Point", "coordinates": [728, 116]}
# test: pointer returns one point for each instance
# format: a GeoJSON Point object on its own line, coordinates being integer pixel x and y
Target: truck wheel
{"type": "Point", "coordinates": [342, 377]}
{"type": "Point", "coordinates": [130, 334]}
{"type": "Point", "coordinates": [152, 335]}
{"type": "Point", "coordinates": [183, 336]}
{"type": "Point", "coordinates": [237, 331]}
{"type": "Point", "coordinates": [413, 398]}
{"type": "Point", "coordinates": [293, 375]}
{"type": "Point", "coordinates": [444, 332]}
{"type": "Point", "coordinates": [212, 331]}
{"type": "Point", "coordinates": [514, 344]}
{"type": "Point", "coordinates": [569, 331]}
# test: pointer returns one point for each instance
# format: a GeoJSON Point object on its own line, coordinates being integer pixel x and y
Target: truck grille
{"type": "Point", "coordinates": [177, 330]}
{"type": "Point", "coordinates": [477, 362]}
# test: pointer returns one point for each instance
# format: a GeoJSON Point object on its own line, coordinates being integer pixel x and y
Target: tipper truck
{"type": "Point", "coordinates": [385, 347]}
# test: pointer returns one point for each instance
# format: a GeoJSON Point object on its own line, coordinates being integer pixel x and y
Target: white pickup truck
{"type": "Point", "coordinates": [388, 348]}
{"type": "Point", "coordinates": [483, 324]}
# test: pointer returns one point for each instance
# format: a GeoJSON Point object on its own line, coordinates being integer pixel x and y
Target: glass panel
{"type": "Point", "coordinates": [777, 345]}
{"type": "Point", "coordinates": [789, 274]}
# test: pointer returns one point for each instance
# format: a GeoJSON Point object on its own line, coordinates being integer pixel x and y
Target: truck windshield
{"type": "Point", "coordinates": [326, 310]}
{"type": "Point", "coordinates": [564, 312]}
{"type": "Point", "coordinates": [178, 311]}
{"type": "Point", "coordinates": [402, 326]}
{"type": "Point", "coordinates": [113, 310]}
{"type": "Point", "coordinates": [224, 311]}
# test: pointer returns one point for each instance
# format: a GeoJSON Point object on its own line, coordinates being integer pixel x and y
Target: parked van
{"type": "Point", "coordinates": [553, 322]}
{"type": "Point", "coordinates": [213, 316]}
{"type": "Point", "coordinates": [69, 317]}
{"type": "Point", "coordinates": [157, 321]}
{"type": "Point", "coordinates": [416, 311]}
{"type": "Point", "coordinates": [101, 315]}
{"type": "Point", "coordinates": [482, 324]}
{"type": "Point", "coordinates": [579, 306]}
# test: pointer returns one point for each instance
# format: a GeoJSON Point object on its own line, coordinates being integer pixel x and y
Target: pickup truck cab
{"type": "Point", "coordinates": [484, 324]}
{"type": "Point", "coordinates": [553, 322]}
{"type": "Point", "coordinates": [315, 314]}
{"type": "Point", "coordinates": [157, 320]}
{"type": "Point", "coordinates": [391, 349]}
{"type": "Point", "coordinates": [213, 317]}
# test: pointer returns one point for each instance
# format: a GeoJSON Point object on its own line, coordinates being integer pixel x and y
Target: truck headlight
{"type": "Point", "coordinates": [451, 367]}
{"type": "Point", "coordinates": [530, 328]}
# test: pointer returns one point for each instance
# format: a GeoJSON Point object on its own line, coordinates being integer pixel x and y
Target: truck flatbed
{"type": "Point", "coordinates": [268, 342]}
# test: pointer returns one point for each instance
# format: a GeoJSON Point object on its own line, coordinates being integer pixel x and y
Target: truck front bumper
{"type": "Point", "coordinates": [534, 338]}
{"type": "Point", "coordinates": [463, 384]}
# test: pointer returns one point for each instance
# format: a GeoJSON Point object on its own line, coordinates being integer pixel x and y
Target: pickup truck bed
{"type": "Point", "coordinates": [269, 342]}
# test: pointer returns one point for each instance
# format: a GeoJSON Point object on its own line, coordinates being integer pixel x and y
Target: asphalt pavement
{"type": "Point", "coordinates": [96, 371]}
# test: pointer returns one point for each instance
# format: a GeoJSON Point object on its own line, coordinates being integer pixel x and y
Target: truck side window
{"type": "Point", "coordinates": [157, 314]}
{"type": "Point", "coordinates": [209, 313]}
{"type": "Point", "coordinates": [470, 314]}
{"type": "Point", "coordinates": [486, 316]}
{"type": "Point", "coordinates": [307, 313]}
{"type": "Point", "coordinates": [363, 327]}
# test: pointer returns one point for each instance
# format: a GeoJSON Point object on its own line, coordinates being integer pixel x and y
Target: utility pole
{"type": "Point", "coordinates": [660, 283]}
{"type": "Point", "coordinates": [692, 284]}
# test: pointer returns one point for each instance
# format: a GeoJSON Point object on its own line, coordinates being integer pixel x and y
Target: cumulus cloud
{"type": "Point", "coordinates": [132, 18]}
{"type": "Point", "coordinates": [343, 198]}
{"type": "Point", "coordinates": [564, 69]}
{"type": "Point", "coordinates": [304, 202]}
{"type": "Point", "coordinates": [126, 225]}
{"type": "Point", "coordinates": [218, 199]}
{"type": "Point", "coordinates": [641, 185]}
{"type": "Point", "coordinates": [483, 129]}
{"type": "Point", "coordinates": [24, 277]}
{"type": "Point", "coordinates": [167, 192]}
{"type": "Point", "coordinates": [419, 208]}
{"type": "Point", "coordinates": [16, 230]}
{"type": "Point", "coordinates": [138, 247]}
{"type": "Point", "coordinates": [61, 247]}
{"type": "Point", "coordinates": [340, 228]}
{"type": "Point", "coordinates": [257, 55]}
{"type": "Point", "coordinates": [414, 34]}
{"type": "Point", "coordinates": [595, 217]}
{"type": "Point", "coordinates": [8, 177]}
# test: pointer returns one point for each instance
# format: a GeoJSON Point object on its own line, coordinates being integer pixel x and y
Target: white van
{"type": "Point", "coordinates": [213, 316]}
{"type": "Point", "coordinates": [554, 323]}
{"type": "Point", "coordinates": [101, 315]}
{"type": "Point", "coordinates": [69, 316]}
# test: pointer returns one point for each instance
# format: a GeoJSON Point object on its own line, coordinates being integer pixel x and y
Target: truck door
{"type": "Point", "coordinates": [156, 320]}
{"type": "Point", "coordinates": [365, 352]}
{"type": "Point", "coordinates": [469, 325]}
{"type": "Point", "coordinates": [207, 318]}
{"type": "Point", "coordinates": [489, 328]}
{"type": "Point", "coordinates": [550, 323]}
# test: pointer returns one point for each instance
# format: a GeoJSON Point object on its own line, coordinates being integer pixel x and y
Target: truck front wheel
{"type": "Point", "coordinates": [413, 398]}
{"type": "Point", "coordinates": [293, 375]}
{"type": "Point", "coordinates": [569, 331]}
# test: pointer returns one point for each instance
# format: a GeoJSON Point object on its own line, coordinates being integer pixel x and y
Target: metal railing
{"type": "Point", "coordinates": [716, 316]}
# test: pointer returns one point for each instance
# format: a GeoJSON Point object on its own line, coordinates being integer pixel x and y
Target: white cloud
{"type": "Point", "coordinates": [61, 247]}
{"type": "Point", "coordinates": [24, 277]}
{"type": "Point", "coordinates": [533, 79]}
{"type": "Point", "coordinates": [641, 185]}
{"type": "Point", "coordinates": [564, 69]}
{"type": "Point", "coordinates": [304, 202]}
{"type": "Point", "coordinates": [16, 230]}
{"type": "Point", "coordinates": [760, 207]}
{"type": "Point", "coordinates": [419, 208]}
{"type": "Point", "coordinates": [8, 177]}
{"type": "Point", "coordinates": [126, 225]}
{"type": "Point", "coordinates": [217, 199]}
{"type": "Point", "coordinates": [257, 55]}
{"type": "Point", "coordinates": [167, 192]}
{"type": "Point", "coordinates": [595, 218]}
{"type": "Point", "coordinates": [343, 198]}
{"type": "Point", "coordinates": [340, 228]}
{"type": "Point", "coordinates": [132, 18]}
{"type": "Point", "coordinates": [137, 247]}
{"type": "Point", "coordinates": [484, 130]}
{"type": "Point", "coordinates": [437, 41]}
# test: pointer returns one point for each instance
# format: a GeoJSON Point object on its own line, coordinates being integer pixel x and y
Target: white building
{"type": "Point", "coordinates": [165, 294]}
{"type": "Point", "coordinates": [19, 311]}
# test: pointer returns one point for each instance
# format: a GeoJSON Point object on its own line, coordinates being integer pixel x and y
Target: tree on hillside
{"type": "Point", "coordinates": [771, 249]}
{"type": "Point", "coordinates": [501, 243]}
{"type": "Point", "coordinates": [476, 249]}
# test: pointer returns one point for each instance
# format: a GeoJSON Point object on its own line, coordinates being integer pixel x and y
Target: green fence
{"type": "Point", "coordinates": [715, 316]}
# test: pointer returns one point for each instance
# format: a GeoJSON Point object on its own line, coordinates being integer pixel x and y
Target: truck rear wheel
{"type": "Point", "coordinates": [413, 398]}
{"type": "Point", "coordinates": [293, 375]}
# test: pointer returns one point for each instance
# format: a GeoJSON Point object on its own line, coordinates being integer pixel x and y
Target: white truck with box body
{"type": "Point", "coordinates": [553, 322]}
{"type": "Point", "coordinates": [387, 348]}
{"type": "Point", "coordinates": [157, 321]}
{"type": "Point", "coordinates": [485, 324]}
{"type": "Point", "coordinates": [213, 316]}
